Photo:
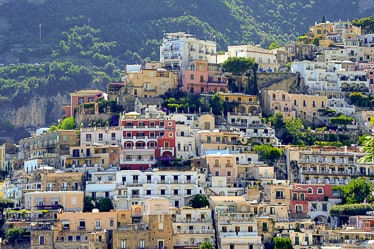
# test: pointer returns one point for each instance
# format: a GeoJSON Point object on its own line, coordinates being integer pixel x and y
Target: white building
{"type": "Point", "coordinates": [130, 187]}
{"type": "Point", "coordinates": [266, 59]}
{"type": "Point", "coordinates": [191, 226]}
{"type": "Point", "coordinates": [100, 136]}
{"type": "Point", "coordinates": [179, 48]}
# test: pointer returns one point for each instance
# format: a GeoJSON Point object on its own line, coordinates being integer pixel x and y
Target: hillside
{"type": "Point", "coordinates": [31, 29]}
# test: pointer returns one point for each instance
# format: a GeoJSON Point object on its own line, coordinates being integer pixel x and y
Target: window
{"type": "Point", "coordinates": [123, 244]}
{"type": "Point", "coordinates": [310, 191]}
{"type": "Point", "coordinates": [189, 191]}
{"type": "Point", "coordinates": [70, 238]}
{"type": "Point", "coordinates": [304, 103]}
{"type": "Point", "coordinates": [148, 192]}
{"type": "Point", "coordinates": [302, 197]}
{"type": "Point", "coordinates": [78, 238]}
{"type": "Point", "coordinates": [141, 244]}
{"type": "Point", "coordinates": [264, 226]}
{"type": "Point", "coordinates": [80, 100]}
{"type": "Point", "coordinates": [111, 223]}
{"type": "Point", "coordinates": [88, 137]}
{"type": "Point", "coordinates": [224, 229]}
{"type": "Point", "coordinates": [100, 136]}
{"type": "Point", "coordinates": [294, 196]}
{"type": "Point", "coordinates": [279, 195]}
{"type": "Point", "coordinates": [97, 224]}
{"type": "Point", "coordinates": [175, 191]}
{"type": "Point", "coordinates": [218, 139]}
{"type": "Point", "coordinates": [163, 191]}
{"type": "Point", "coordinates": [320, 191]}
{"type": "Point", "coordinates": [228, 173]}
{"type": "Point", "coordinates": [192, 76]}
{"type": "Point", "coordinates": [41, 240]}
{"type": "Point", "coordinates": [272, 211]}
{"type": "Point", "coordinates": [113, 136]}
{"type": "Point", "coordinates": [324, 207]}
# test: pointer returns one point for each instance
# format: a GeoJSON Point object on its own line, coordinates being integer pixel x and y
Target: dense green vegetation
{"type": "Point", "coordinates": [294, 131]}
{"type": "Point", "coordinates": [130, 31]}
{"type": "Point", "coordinates": [356, 191]}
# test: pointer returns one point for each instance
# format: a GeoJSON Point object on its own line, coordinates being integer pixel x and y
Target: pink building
{"type": "Point", "coordinates": [198, 79]}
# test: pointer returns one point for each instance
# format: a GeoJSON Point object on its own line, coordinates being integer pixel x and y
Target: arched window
{"type": "Point", "coordinates": [310, 191]}
{"type": "Point", "coordinates": [320, 191]}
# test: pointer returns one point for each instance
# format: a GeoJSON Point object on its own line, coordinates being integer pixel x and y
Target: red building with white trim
{"type": "Point", "coordinates": [147, 140]}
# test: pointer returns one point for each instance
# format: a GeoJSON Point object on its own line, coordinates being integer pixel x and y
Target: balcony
{"type": "Point", "coordinates": [81, 228]}
{"type": "Point", "coordinates": [195, 231]}
{"type": "Point", "coordinates": [132, 227]}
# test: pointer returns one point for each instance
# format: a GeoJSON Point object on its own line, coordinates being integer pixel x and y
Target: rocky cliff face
{"type": "Point", "coordinates": [41, 111]}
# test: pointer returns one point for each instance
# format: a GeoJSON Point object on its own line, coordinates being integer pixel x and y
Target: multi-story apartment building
{"type": "Point", "coordinates": [133, 186]}
{"type": "Point", "coordinates": [49, 147]}
{"type": "Point", "coordinates": [352, 81]}
{"type": "Point", "coordinates": [148, 82]}
{"type": "Point", "coordinates": [185, 126]}
{"type": "Point", "coordinates": [222, 163]}
{"type": "Point", "coordinates": [314, 200]}
{"type": "Point", "coordinates": [80, 97]}
{"type": "Point", "coordinates": [59, 180]}
{"type": "Point", "coordinates": [328, 165]}
{"type": "Point", "coordinates": [247, 104]}
{"type": "Point", "coordinates": [191, 227]}
{"type": "Point", "coordinates": [99, 155]}
{"type": "Point", "coordinates": [54, 202]}
{"type": "Point", "coordinates": [178, 49]}
{"type": "Point", "coordinates": [86, 230]}
{"type": "Point", "coordinates": [235, 224]}
{"type": "Point", "coordinates": [293, 105]}
{"type": "Point", "coordinates": [151, 226]}
{"type": "Point", "coordinates": [111, 135]}
{"type": "Point", "coordinates": [147, 140]}
{"type": "Point", "coordinates": [266, 60]}
{"type": "Point", "coordinates": [197, 79]}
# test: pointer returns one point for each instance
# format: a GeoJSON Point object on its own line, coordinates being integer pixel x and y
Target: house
{"type": "Point", "coordinates": [266, 60]}
{"type": "Point", "coordinates": [197, 79]}
{"type": "Point", "coordinates": [178, 49]}
{"type": "Point", "coordinates": [147, 140]}
{"type": "Point", "coordinates": [48, 147]}
{"type": "Point", "coordinates": [95, 135]}
{"type": "Point", "coordinates": [142, 104]}
{"type": "Point", "coordinates": [80, 97]}
{"type": "Point", "coordinates": [191, 227]}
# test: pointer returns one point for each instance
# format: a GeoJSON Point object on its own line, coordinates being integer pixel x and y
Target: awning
{"type": "Point", "coordinates": [65, 222]}
{"type": "Point", "coordinates": [40, 199]}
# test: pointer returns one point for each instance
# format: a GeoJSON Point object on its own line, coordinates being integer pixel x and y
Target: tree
{"type": "Point", "coordinates": [323, 19]}
{"type": "Point", "coordinates": [206, 245]}
{"type": "Point", "coordinates": [217, 104]}
{"type": "Point", "coordinates": [14, 233]}
{"type": "Point", "coordinates": [366, 24]}
{"type": "Point", "coordinates": [68, 123]}
{"type": "Point", "coordinates": [273, 45]}
{"type": "Point", "coordinates": [268, 152]}
{"type": "Point", "coordinates": [282, 243]}
{"type": "Point", "coordinates": [199, 201]}
{"type": "Point", "coordinates": [88, 204]}
{"type": "Point", "coordinates": [294, 132]}
{"type": "Point", "coordinates": [238, 66]}
{"type": "Point", "coordinates": [105, 205]}
{"type": "Point", "coordinates": [368, 146]}
{"type": "Point", "coordinates": [357, 191]}
{"type": "Point", "coordinates": [315, 41]}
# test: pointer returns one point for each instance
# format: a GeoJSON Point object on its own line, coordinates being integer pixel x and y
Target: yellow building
{"type": "Point", "coordinates": [64, 181]}
{"type": "Point", "coordinates": [247, 104]}
{"type": "Point", "coordinates": [293, 105]}
{"type": "Point", "coordinates": [150, 82]}
{"type": "Point", "coordinates": [102, 155]}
